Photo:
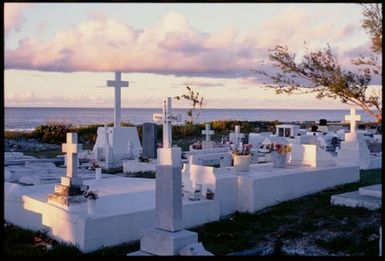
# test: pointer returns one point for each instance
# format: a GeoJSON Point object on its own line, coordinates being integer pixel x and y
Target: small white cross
{"type": "Point", "coordinates": [167, 118]}
{"type": "Point", "coordinates": [117, 84]}
{"type": "Point", "coordinates": [71, 148]}
{"type": "Point", "coordinates": [353, 118]}
{"type": "Point", "coordinates": [238, 136]}
{"type": "Point", "coordinates": [208, 132]}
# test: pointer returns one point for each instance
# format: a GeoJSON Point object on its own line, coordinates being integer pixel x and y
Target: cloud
{"type": "Point", "coordinates": [42, 27]}
{"type": "Point", "coordinates": [201, 83]}
{"type": "Point", "coordinates": [13, 16]}
{"type": "Point", "coordinates": [170, 47]}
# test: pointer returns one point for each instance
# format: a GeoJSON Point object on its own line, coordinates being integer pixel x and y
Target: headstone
{"type": "Point", "coordinates": [166, 118]}
{"type": "Point", "coordinates": [123, 141]}
{"type": "Point", "coordinates": [149, 142]}
{"type": "Point", "coordinates": [354, 150]}
{"type": "Point", "coordinates": [71, 188]}
{"type": "Point", "coordinates": [236, 137]}
{"type": "Point", "coordinates": [323, 122]}
{"type": "Point", "coordinates": [208, 143]}
{"type": "Point", "coordinates": [168, 237]}
{"type": "Point", "coordinates": [207, 132]}
{"type": "Point", "coordinates": [352, 118]}
{"type": "Point", "coordinates": [287, 130]}
{"type": "Point", "coordinates": [117, 84]}
{"type": "Point", "coordinates": [223, 159]}
{"type": "Point", "coordinates": [309, 154]}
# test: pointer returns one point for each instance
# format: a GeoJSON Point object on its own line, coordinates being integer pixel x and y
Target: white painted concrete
{"type": "Point", "coordinates": [309, 154]}
{"type": "Point", "coordinates": [125, 207]}
{"type": "Point", "coordinates": [163, 243]}
{"type": "Point", "coordinates": [266, 186]}
{"type": "Point", "coordinates": [371, 191]}
{"type": "Point", "coordinates": [354, 200]}
{"type": "Point", "coordinates": [221, 181]}
{"type": "Point", "coordinates": [119, 137]}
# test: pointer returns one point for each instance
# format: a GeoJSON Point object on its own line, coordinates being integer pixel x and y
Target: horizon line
{"type": "Point", "coordinates": [187, 108]}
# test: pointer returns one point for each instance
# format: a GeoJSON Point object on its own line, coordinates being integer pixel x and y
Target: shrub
{"type": "Point", "coordinates": [52, 132]}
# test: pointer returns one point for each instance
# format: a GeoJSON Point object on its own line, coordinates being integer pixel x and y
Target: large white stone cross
{"type": "Point", "coordinates": [167, 118]}
{"type": "Point", "coordinates": [117, 84]}
{"type": "Point", "coordinates": [71, 148]}
{"type": "Point", "coordinates": [353, 118]}
{"type": "Point", "coordinates": [208, 132]}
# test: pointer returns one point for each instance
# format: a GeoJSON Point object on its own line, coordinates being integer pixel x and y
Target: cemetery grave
{"type": "Point", "coordinates": [201, 189]}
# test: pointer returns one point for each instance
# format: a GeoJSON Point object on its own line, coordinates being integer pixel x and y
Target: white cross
{"type": "Point", "coordinates": [353, 118]}
{"type": "Point", "coordinates": [117, 84]}
{"type": "Point", "coordinates": [208, 132]}
{"type": "Point", "coordinates": [71, 148]}
{"type": "Point", "coordinates": [167, 118]}
{"type": "Point", "coordinates": [238, 136]}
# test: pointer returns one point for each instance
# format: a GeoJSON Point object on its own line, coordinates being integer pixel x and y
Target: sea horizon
{"type": "Point", "coordinates": [186, 108]}
{"type": "Point", "coordinates": [28, 118]}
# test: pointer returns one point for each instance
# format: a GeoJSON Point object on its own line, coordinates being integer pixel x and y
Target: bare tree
{"type": "Point", "coordinates": [196, 100]}
{"type": "Point", "coordinates": [320, 72]}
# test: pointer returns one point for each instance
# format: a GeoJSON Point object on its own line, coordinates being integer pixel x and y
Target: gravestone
{"type": "Point", "coordinates": [71, 188]}
{"type": "Point", "coordinates": [149, 142]}
{"type": "Point", "coordinates": [168, 237]}
{"type": "Point", "coordinates": [323, 126]}
{"type": "Point", "coordinates": [117, 84]}
{"type": "Point", "coordinates": [223, 159]}
{"type": "Point", "coordinates": [123, 141]}
{"type": "Point", "coordinates": [310, 154]}
{"type": "Point", "coordinates": [353, 118]}
{"type": "Point", "coordinates": [236, 137]}
{"type": "Point", "coordinates": [287, 130]}
{"type": "Point", "coordinates": [354, 150]}
{"type": "Point", "coordinates": [166, 118]}
{"type": "Point", "coordinates": [323, 122]}
{"type": "Point", "coordinates": [208, 143]}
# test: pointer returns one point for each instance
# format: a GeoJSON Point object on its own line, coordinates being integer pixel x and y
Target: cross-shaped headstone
{"type": "Point", "coordinates": [117, 84]}
{"type": "Point", "coordinates": [208, 132]}
{"type": "Point", "coordinates": [167, 118]}
{"type": "Point", "coordinates": [353, 118]}
{"type": "Point", "coordinates": [238, 135]}
{"type": "Point", "coordinates": [71, 148]}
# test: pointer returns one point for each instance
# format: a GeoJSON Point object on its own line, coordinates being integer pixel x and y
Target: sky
{"type": "Point", "coordinates": [62, 54]}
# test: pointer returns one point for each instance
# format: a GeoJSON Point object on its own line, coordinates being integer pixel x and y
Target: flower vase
{"type": "Point", "coordinates": [91, 205]}
{"type": "Point", "coordinates": [242, 163]}
{"type": "Point", "coordinates": [279, 159]}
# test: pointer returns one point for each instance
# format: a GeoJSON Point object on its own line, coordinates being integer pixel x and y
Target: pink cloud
{"type": "Point", "coordinates": [13, 15]}
{"type": "Point", "coordinates": [172, 46]}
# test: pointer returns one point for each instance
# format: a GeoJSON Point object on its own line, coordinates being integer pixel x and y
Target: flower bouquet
{"type": "Point", "coordinates": [279, 154]}
{"type": "Point", "coordinates": [242, 158]}
{"type": "Point", "coordinates": [245, 150]}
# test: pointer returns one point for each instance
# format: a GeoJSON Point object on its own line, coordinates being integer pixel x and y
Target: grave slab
{"type": "Point", "coordinates": [125, 207]}
{"type": "Point", "coordinates": [265, 186]}
{"type": "Point", "coordinates": [354, 199]}
{"type": "Point", "coordinates": [371, 191]}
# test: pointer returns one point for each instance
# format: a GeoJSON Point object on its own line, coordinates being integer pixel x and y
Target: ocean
{"type": "Point", "coordinates": [29, 118]}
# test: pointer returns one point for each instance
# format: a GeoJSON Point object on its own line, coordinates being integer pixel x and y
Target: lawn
{"type": "Point", "coordinates": [308, 226]}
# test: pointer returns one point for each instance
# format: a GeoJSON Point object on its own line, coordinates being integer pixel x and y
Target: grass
{"type": "Point", "coordinates": [338, 230]}
{"type": "Point", "coordinates": [142, 174]}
